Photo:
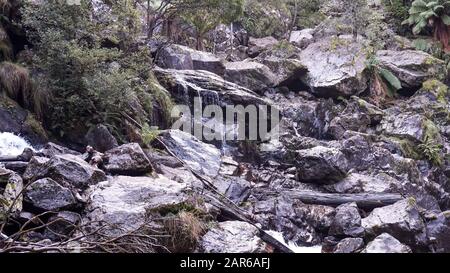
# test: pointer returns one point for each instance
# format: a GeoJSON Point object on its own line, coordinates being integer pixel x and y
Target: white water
{"type": "Point", "coordinates": [292, 245]}
{"type": "Point", "coordinates": [12, 145]}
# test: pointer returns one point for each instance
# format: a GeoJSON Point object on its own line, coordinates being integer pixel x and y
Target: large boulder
{"type": "Point", "coordinates": [258, 45]}
{"type": "Point", "coordinates": [347, 222]}
{"type": "Point", "coordinates": [100, 138]}
{"type": "Point", "coordinates": [68, 170]}
{"type": "Point", "coordinates": [401, 220]}
{"type": "Point", "coordinates": [411, 67]}
{"type": "Point", "coordinates": [124, 203]}
{"type": "Point", "coordinates": [302, 38]}
{"type": "Point", "coordinates": [252, 75]}
{"type": "Point", "coordinates": [321, 165]}
{"type": "Point", "coordinates": [11, 186]}
{"type": "Point", "coordinates": [47, 195]}
{"type": "Point", "coordinates": [128, 159]}
{"type": "Point", "coordinates": [336, 67]}
{"type": "Point", "coordinates": [385, 243]}
{"type": "Point", "coordinates": [199, 156]}
{"type": "Point", "coordinates": [187, 84]}
{"type": "Point", "coordinates": [439, 232]}
{"type": "Point", "coordinates": [232, 237]}
{"type": "Point", "coordinates": [413, 127]}
{"type": "Point", "coordinates": [184, 58]}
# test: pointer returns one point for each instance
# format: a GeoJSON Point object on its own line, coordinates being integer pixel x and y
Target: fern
{"type": "Point", "coordinates": [383, 82]}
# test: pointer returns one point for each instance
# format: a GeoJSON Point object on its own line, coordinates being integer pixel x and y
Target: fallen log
{"type": "Point", "coordinates": [363, 200]}
{"type": "Point", "coordinates": [17, 166]}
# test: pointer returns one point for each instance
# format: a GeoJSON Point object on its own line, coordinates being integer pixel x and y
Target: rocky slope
{"type": "Point", "coordinates": [346, 174]}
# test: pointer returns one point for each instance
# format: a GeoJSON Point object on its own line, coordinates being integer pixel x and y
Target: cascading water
{"type": "Point", "coordinates": [12, 145]}
{"type": "Point", "coordinates": [292, 245]}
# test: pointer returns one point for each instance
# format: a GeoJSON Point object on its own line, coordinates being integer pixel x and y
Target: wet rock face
{"type": "Point", "coordinates": [123, 202]}
{"type": "Point", "coordinates": [232, 237]}
{"type": "Point", "coordinates": [128, 159]}
{"type": "Point", "coordinates": [68, 170]}
{"type": "Point", "coordinates": [335, 67]}
{"type": "Point", "coordinates": [46, 194]}
{"type": "Point", "coordinates": [187, 84]}
{"type": "Point", "coordinates": [100, 138]}
{"type": "Point", "coordinates": [184, 58]}
{"type": "Point", "coordinates": [411, 67]}
{"type": "Point", "coordinates": [201, 157]}
{"type": "Point", "coordinates": [401, 220]}
{"type": "Point", "coordinates": [347, 222]}
{"type": "Point", "coordinates": [321, 165]}
{"type": "Point", "coordinates": [385, 243]}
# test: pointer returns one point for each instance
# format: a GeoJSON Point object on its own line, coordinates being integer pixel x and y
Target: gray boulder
{"type": "Point", "coordinates": [232, 237]}
{"type": "Point", "coordinates": [258, 45]}
{"type": "Point", "coordinates": [201, 157]}
{"type": "Point", "coordinates": [385, 243]}
{"type": "Point", "coordinates": [365, 183]}
{"type": "Point", "coordinates": [336, 67]}
{"type": "Point", "coordinates": [349, 245]}
{"type": "Point", "coordinates": [252, 75]}
{"type": "Point", "coordinates": [401, 219]}
{"type": "Point", "coordinates": [128, 159]}
{"type": "Point", "coordinates": [347, 222]}
{"type": "Point", "coordinates": [439, 232]}
{"type": "Point", "coordinates": [124, 203]}
{"type": "Point", "coordinates": [184, 58]}
{"type": "Point", "coordinates": [47, 195]}
{"type": "Point", "coordinates": [51, 149]}
{"type": "Point", "coordinates": [68, 170]}
{"type": "Point", "coordinates": [302, 38]}
{"type": "Point", "coordinates": [62, 225]}
{"type": "Point", "coordinates": [100, 138]}
{"type": "Point", "coordinates": [11, 186]}
{"type": "Point", "coordinates": [411, 67]}
{"type": "Point", "coordinates": [321, 165]}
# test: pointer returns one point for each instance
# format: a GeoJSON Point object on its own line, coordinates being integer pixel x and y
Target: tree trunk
{"type": "Point", "coordinates": [363, 200]}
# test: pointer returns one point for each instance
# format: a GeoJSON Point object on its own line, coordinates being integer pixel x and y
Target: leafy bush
{"type": "Point", "coordinates": [433, 13]}
{"type": "Point", "coordinates": [87, 83]}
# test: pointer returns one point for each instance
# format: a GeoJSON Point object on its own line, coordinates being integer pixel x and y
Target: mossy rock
{"type": "Point", "coordinates": [437, 88]}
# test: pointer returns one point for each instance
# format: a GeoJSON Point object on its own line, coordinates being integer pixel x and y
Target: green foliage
{"type": "Point", "coordinates": [210, 13]}
{"type": "Point", "coordinates": [383, 82]}
{"type": "Point", "coordinates": [309, 14]}
{"type": "Point", "coordinates": [425, 13]}
{"type": "Point", "coordinates": [88, 84]}
{"type": "Point", "coordinates": [268, 18]}
{"type": "Point", "coordinates": [431, 150]}
{"type": "Point", "coordinates": [149, 134]}
{"type": "Point", "coordinates": [397, 13]}
{"type": "Point", "coordinates": [357, 13]}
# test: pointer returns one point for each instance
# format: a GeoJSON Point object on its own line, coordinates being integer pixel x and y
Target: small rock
{"type": "Point", "coordinates": [48, 195]}
{"type": "Point", "coordinates": [347, 221]}
{"type": "Point", "coordinates": [385, 243]}
{"type": "Point", "coordinates": [62, 225]}
{"type": "Point", "coordinates": [128, 159]}
{"type": "Point", "coordinates": [302, 38]}
{"type": "Point", "coordinates": [100, 138]}
{"type": "Point", "coordinates": [321, 165]}
{"type": "Point", "coordinates": [349, 245]}
{"type": "Point", "coordinates": [232, 237]}
{"type": "Point", "coordinates": [401, 219]}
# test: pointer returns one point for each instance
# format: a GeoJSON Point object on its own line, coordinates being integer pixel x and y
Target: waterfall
{"type": "Point", "coordinates": [12, 145]}
{"type": "Point", "coordinates": [294, 246]}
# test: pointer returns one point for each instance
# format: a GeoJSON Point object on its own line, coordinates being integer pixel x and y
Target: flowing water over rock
{"type": "Point", "coordinates": [12, 145]}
